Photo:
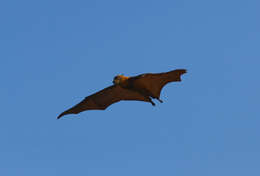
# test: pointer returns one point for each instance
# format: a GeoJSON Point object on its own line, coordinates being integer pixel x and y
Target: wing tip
{"type": "Point", "coordinates": [182, 71]}
{"type": "Point", "coordinates": [64, 113]}
{"type": "Point", "coordinates": [179, 73]}
{"type": "Point", "coordinates": [60, 116]}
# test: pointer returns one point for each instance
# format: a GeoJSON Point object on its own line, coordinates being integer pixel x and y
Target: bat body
{"type": "Point", "coordinates": [143, 87]}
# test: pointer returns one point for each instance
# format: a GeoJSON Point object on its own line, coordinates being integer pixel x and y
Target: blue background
{"type": "Point", "coordinates": [54, 53]}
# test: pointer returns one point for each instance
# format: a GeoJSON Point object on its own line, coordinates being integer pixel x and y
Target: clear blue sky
{"type": "Point", "coordinates": [54, 53]}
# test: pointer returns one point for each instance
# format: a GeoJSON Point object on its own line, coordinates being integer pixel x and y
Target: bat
{"type": "Point", "coordinates": [143, 87]}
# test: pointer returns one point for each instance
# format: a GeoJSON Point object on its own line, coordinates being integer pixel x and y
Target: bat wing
{"type": "Point", "coordinates": [102, 99]}
{"type": "Point", "coordinates": [152, 84]}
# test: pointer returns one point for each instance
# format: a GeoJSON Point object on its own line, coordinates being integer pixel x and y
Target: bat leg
{"type": "Point", "coordinates": [150, 100]}
{"type": "Point", "coordinates": [152, 103]}
{"type": "Point", "coordinates": [159, 100]}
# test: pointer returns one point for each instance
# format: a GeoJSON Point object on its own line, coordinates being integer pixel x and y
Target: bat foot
{"type": "Point", "coordinates": [152, 103]}
{"type": "Point", "coordinates": [159, 100]}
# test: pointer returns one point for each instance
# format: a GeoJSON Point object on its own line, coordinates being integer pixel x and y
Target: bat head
{"type": "Point", "coordinates": [119, 79]}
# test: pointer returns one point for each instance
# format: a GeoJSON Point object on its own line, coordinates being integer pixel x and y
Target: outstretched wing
{"type": "Point", "coordinates": [152, 83]}
{"type": "Point", "coordinates": [102, 99]}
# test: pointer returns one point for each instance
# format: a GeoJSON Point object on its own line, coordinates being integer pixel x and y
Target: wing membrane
{"type": "Point", "coordinates": [152, 83]}
{"type": "Point", "coordinates": [102, 99]}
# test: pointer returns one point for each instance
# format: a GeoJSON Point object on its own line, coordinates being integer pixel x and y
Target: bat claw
{"type": "Point", "coordinates": [159, 100]}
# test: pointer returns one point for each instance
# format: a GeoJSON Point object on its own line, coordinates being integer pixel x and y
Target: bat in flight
{"type": "Point", "coordinates": [143, 87]}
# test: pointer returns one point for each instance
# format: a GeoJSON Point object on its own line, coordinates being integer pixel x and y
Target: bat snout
{"type": "Point", "coordinates": [116, 81]}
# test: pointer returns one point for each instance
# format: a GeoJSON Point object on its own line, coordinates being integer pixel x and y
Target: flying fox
{"type": "Point", "coordinates": [144, 87]}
